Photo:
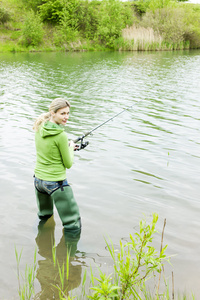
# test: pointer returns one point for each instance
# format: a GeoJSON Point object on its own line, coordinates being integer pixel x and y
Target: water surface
{"type": "Point", "coordinates": [144, 161]}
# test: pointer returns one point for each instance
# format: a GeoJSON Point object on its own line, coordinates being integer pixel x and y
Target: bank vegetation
{"type": "Point", "coordinates": [93, 25]}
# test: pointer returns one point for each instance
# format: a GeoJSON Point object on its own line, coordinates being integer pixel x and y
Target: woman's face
{"type": "Point", "coordinates": [61, 116]}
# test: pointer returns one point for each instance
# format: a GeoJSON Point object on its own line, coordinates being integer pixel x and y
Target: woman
{"type": "Point", "coordinates": [54, 155]}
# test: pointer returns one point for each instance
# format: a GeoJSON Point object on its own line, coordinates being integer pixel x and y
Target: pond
{"type": "Point", "coordinates": [145, 160]}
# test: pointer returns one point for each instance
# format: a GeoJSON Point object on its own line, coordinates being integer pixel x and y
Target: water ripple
{"type": "Point", "coordinates": [145, 160]}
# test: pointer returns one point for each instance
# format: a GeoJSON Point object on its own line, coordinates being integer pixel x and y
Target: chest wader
{"type": "Point", "coordinates": [45, 205]}
{"type": "Point", "coordinates": [66, 206]}
{"type": "Point", "coordinates": [67, 209]}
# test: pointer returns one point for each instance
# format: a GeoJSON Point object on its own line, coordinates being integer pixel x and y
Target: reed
{"type": "Point", "coordinates": [141, 34]}
{"type": "Point", "coordinates": [147, 39]}
{"type": "Point", "coordinates": [140, 38]}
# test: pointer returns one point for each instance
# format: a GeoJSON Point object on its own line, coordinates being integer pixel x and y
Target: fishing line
{"type": "Point", "coordinates": [80, 138]}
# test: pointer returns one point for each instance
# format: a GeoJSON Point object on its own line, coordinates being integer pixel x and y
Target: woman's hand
{"type": "Point", "coordinates": [72, 144]}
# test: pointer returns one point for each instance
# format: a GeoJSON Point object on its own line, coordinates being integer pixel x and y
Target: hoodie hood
{"type": "Point", "coordinates": [50, 128]}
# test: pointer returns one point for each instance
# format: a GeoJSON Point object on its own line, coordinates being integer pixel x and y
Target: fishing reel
{"type": "Point", "coordinates": [82, 145]}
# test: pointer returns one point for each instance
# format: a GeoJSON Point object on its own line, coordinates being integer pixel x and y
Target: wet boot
{"type": "Point", "coordinates": [67, 209]}
{"type": "Point", "coordinates": [45, 205]}
{"type": "Point", "coordinates": [71, 241]}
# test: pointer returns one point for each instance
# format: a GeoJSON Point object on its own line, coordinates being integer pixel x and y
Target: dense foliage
{"type": "Point", "coordinates": [4, 15]}
{"type": "Point", "coordinates": [94, 24]}
{"type": "Point", "coordinates": [32, 31]}
{"type": "Point", "coordinates": [98, 21]}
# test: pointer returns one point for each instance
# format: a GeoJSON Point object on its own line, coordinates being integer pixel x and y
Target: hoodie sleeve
{"type": "Point", "coordinates": [66, 152]}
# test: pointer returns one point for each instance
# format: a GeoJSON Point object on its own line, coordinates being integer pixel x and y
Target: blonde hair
{"type": "Point", "coordinates": [55, 105]}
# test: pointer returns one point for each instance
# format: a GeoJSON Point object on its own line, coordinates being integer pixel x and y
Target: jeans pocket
{"type": "Point", "coordinates": [50, 186]}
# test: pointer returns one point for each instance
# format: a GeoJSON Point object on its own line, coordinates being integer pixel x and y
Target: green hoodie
{"type": "Point", "coordinates": [53, 152]}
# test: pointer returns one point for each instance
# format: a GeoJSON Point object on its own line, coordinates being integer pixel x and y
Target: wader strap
{"type": "Point", "coordinates": [61, 185]}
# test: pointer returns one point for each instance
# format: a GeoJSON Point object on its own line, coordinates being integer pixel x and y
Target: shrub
{"type": "Point", "coordinates": [192, 26]}
{"type": "Point", "coordinates": [142, 6]}
{"type": "Point", "coordinates": [168, 22]}
{"type": "Point", "coordinates": [33, 4]}
{"type": "Point", "coordinates": [51, 11]}
{"type": "Point", "coordinates": [64, 35]}
{"type": "Point", "coordinates": [67, 30]}
{"type": "Point", "coordinates": [4, 15]}
{"type": "Point", "coordinates": [111, 20]}
{"type": "Point", "coordinates": [176, 25]}
{"type": "Point", "coordinates": [159, 4]}
{"type": "Point", "coordinates": [59, 11]}
{"type": "Point", "coordinates": [88, 18]}
{"type": "Point", "coordinates": [192, 35]}
{"type": "Point", "coordinates": [134, 263]}
{"type": "Point", "coordinates": [69, 16]}
{"type": "Point", "coordinates": [101, 21]}
{"type": "Point", "coordinates": [32, 32]}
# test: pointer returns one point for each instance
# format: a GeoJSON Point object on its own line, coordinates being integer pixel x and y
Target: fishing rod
{"type": "Point", "coordinates": [80, 138]}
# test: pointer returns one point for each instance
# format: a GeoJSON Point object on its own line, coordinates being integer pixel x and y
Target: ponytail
{"type": "Point", "coordinates": [41, 120]}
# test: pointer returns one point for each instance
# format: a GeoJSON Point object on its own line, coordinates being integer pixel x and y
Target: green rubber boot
{"type": "Point", "coordinates": [45, 205]}
{"type": "Point", "coordinates": [67, 209]}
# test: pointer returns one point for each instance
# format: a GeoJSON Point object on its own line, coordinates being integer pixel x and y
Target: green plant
{"type": "Point", "coordinates": [54, 254]}
{"type": "Point", "coordinates": [4, 15]}
{"type": "Point", "coordinates": [159, 4]}
{"type": "Point", "coordinates": [141, 6]}
{"type": "Point", "coordinates": [26, 281]}
{"type": "Point", "coordinates": [192, 26]}
{"type": "Point", "coordinates": [32, 31]}
{"type": "Point", "coordinates": [168, 22]}
{"type": "Point", "coordinates": [111, 21]}
{"type": "Point", "coordinates": [33, 4]}
{"type": "Point", "coordinates": [105, 289]}
{"type": "Point", "coordinates": [135, 263]}
{"type": "Point", "coordinates": [68, 24]}
{"type": "Point", "coordinates": [88, 13]}
{"type": "Point", "coordinates": [63, 271]}
{"type": "Point", "coordinates": [50, 11]}
{"type": "Point", "coordinates": [70, 14]}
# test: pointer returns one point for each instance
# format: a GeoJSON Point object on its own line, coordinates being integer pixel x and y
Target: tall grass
{"type": "Point", "coordinates": [26, 281]}
{"type": "Point", "coordinates": [141, 38]}
{"type": "Point", "coordinates": [147, 39]}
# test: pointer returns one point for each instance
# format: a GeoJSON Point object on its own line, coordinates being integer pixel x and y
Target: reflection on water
{"type": "Point", "coordinates": [47, 271]}
{"type": "Point", "coordinates": [145, 160]}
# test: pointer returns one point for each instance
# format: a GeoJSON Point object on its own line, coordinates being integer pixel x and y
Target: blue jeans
{"type": "Point", "coordinates": [48, 187]}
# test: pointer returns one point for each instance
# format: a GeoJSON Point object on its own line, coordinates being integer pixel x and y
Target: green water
{"type": "Point", "coordinates": [146, 160]}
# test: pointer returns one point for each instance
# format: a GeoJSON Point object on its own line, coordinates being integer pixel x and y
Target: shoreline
{"type": "Point", "coordinates": [128, 26]}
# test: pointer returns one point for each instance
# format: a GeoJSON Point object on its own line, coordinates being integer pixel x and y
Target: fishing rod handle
{"type": "Point", "coordinates": [81, 137]}
{"type": "Point", "coordinates": [78, 139]}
